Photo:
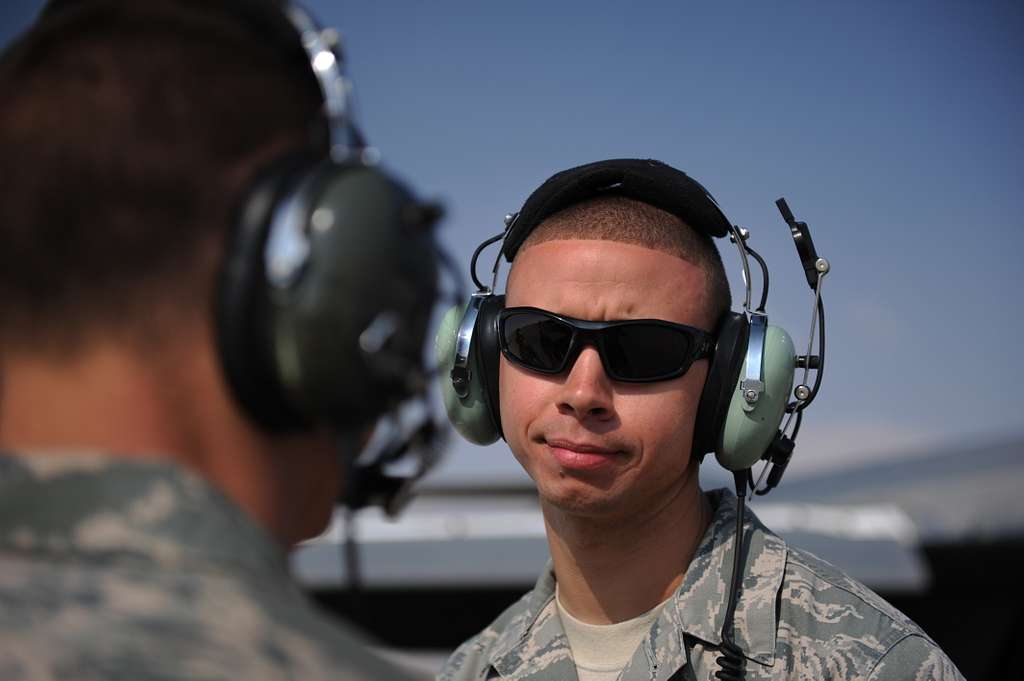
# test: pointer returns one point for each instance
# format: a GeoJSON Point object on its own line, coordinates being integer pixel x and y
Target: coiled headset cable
{"type": "Point", "coordinates": [731, 661]}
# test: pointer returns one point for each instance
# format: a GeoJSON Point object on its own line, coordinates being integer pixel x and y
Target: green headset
{"type": "Point", "coordinates": [331, 270]}
{"type": "Point", "coordinates": [747, 393]}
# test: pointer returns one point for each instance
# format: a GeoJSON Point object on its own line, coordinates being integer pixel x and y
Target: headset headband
{"type": "Point", "coordinates": [646, 180]}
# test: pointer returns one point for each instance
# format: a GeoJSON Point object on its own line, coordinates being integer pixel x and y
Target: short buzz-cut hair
{"type": "Point", "coordinates": [626, 220]}
{"type": "Point", "coordinates": [127, 132]}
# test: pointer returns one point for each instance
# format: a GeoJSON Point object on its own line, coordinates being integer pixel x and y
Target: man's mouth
{"type": "Point", "coordinates": [582, 456]}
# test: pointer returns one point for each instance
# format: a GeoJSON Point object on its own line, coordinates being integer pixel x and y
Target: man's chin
{"type": "Point", "coordinates": [579, 500]}
{"type": "Point", "coordinates": [314, 510]}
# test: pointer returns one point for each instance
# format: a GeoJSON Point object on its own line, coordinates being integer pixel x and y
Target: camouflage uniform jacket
{"type": "Point", "coordinates": [114, 569]}
{"type": "Point", "coordinates": [797, 618]}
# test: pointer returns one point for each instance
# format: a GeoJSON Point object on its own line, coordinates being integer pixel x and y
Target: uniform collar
{"type": "Point", "coordinates": [535, 637]}
{"type": "Point", "coordinates": [88, 506]}
{"type": "Point", "coordinates": [699, 604]}
{"type": "Point", "coordinates": [697, 608]}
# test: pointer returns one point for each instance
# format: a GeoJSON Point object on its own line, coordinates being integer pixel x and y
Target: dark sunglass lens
{"type": "Point", "coordinates": [536, 340]}
{"type": "Point", "coordinates": [643, 351]}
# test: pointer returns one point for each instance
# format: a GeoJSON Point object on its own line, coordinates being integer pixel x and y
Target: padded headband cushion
{"type": "Point", "coordinates": [646, 180]}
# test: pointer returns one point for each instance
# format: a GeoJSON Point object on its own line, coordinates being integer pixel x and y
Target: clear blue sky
{"type": "Point", "coordinates": [894, 129]}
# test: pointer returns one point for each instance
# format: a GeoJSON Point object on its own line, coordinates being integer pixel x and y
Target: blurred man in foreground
{"type": "Point", "coordinates": [198, 302]}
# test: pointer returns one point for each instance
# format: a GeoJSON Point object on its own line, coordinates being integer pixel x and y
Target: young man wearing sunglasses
{"type": "Point", "coordinates": [609, 320]}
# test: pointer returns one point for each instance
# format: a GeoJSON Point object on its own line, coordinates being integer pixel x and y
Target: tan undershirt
{"type": "Point", "coordinates": [601, 651]}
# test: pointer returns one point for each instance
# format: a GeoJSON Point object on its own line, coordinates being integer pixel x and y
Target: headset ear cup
{"type": "Point", "coordinates": [749, 429]}
{"type": "Point", "coordinates": [732, 333]}
{"type": "Point", "coordinates": [469, 415]}
{"type": "Point", "coordinates": [333, 344]}
{"type": "Point", "coordinates": [350, 326]}
{"type": "Point", "coordinates": [476, 416]}
{"type": "Point", "coordinates": [489, 355]}
{"type": "Point", "coordinates": [243, 310]}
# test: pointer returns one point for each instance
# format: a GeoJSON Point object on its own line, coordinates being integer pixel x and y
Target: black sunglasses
{"type": "Point", "coordinates": [631, 350]}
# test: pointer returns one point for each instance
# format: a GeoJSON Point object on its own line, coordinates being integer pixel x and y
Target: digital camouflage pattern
{"type": "Point", "coordinates": [114, 569]}
{"type": "Point", "coordinates": [797, 617]}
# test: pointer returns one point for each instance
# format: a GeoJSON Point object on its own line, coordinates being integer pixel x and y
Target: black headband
{"type": "Point", "coordinates": [646, 180]}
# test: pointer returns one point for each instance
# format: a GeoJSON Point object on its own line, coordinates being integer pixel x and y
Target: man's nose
{"type": "Point", "coordinates": [587, 392]}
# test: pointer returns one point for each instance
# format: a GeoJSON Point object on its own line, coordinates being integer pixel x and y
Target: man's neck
{"type": "Point", "coordinates": [613, 569]}
{"type": "Point", "coordinates": [172, 406]}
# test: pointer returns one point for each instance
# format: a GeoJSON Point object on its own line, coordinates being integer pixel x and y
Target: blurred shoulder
{"type": "Point", "coordinates": [101, 617]}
